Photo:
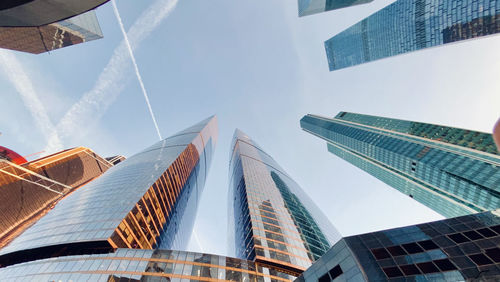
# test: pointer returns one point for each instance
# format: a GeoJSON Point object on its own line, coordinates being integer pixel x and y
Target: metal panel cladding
{"type": "Point", "coordinates": [450, 170]}
{"type": "Point", "coordinates": [271, 220]}
{"type": "Point", "coordinates": [410, 25]}
{"type": "Point", "coordinates": [148, 201]}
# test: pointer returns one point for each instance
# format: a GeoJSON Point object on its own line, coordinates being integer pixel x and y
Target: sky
{"type": "Point", "coordinates": [259, 68]}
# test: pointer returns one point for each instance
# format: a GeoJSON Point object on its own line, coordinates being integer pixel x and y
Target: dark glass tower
{"type": "Point", "coordinates": [148, 201]}
{"type": "Point", "coordinates": [410, 25]}
{"type": "Point", "coordinates": [271, 220]}
{"type": "Point", "coordinates": [309, 7]}
{"type": "Point", "coordinates": [465, 248]}
{"type": "Point", "coordinates": [450, 170]}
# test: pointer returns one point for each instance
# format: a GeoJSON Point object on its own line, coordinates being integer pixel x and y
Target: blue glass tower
{"type": "Point", "coordinates": [410, 25]}
{"type": "Point", "coordinates": [309, 7]}
{"type": "Point", "coordinates": [450, 170]}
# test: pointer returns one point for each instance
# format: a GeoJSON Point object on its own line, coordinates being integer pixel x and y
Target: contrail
{"type": "Point", "coordinates": [198, 241]}
{"type": "Point", "coordinates": [136, 68]}
{"type": "Point", "coordinates": [14, 70]}
{"type": "Point", "coordinates": [85, 113]}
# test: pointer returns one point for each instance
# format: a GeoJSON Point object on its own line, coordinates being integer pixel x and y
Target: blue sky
{"type": "Point", "coordinates": [260, 68]}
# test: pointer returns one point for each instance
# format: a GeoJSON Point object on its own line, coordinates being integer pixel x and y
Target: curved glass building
{"type": "Point", "coordinates": [450, 170]}
{"type": "Point", "coordinates": [142, 265]}
{"type": "Point", "coordinates": [271, 220]}
{"type": "Point", "coordinates": [148, 201]}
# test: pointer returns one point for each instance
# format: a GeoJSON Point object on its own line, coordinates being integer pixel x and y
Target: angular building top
{"type": "Point", "coordinates": [271, 220]}
{"type": "Point", "coordinates": [450, 170]}
{"type": "Point", "coordinates": [309, 7]}
{"type": "Point", "coordinates": [142, 265]}
{"type": "Point", "coordinates": [36, 40]}
{"type": "Point", "coordinates": [459, 249]}
{"type": "Point", "coordinates": [33, 13]}
{"type": "Point", "coordinates": [409, 25]}
{"type": "Point", "coordinates": [147, 201]}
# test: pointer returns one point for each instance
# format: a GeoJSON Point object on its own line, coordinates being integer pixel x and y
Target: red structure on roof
{"type": "Point", "coordinates": [8, 154]}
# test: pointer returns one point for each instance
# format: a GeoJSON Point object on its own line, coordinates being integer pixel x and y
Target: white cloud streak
{"type": "Point", "coordinates": [85, 113]}
{"type": "Point", "coordinates": [136, 68]}
{"type": "Point", "coordinates": [14, 71]}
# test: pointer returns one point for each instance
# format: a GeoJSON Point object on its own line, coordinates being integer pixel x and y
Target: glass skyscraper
{"type": "Point", "coordinates": [410, 25]}
{"type": "Point", "coordinates": [309, 7]}
{"type": "Point", "coordinates": [271, 220]}
{"type": "Point", "coordinates": [450, 170]}
{"type": "Point", "coordinates": [148, 201]}
{"type": "Point", "coordinates": [465, 248]}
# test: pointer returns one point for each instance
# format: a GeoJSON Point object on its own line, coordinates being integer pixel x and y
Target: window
{"type": "Point", "coordinates": [445, 264]}
{"type": "Point", "coordinates": [486, 232]}
{"type": "Point", "coordinates": [458, 238]}
{"type": "Point", "coordinates": [380, 253]}
{"type": "Point", "coordinates": [396, 251]}
{"type": "Point", "coordinates": [335, 272]}
{"type": "Point", "coordinates": [494, 254]}
{"type": "Point", "coordinates": [480, 259]}
{"type": "Point", "coordinates": [427, 267]}
{"type": "Point", "coordinates": [412, 248]}
{"type": "Point", "coordinates": [473, 235]}
{"type": "Point", "coordinates": [409, 269]}
{"type": "Point", "coordinates": [428, 245]}
{"type": "Point", "coordinates": [392, 271]}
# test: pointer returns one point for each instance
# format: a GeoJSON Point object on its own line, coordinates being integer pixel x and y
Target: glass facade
{"type": "Point", "coordinates": [309, 7]}
{"type": "Point", "coordinates": [452, 171]}
{"type": "Point", "coordinates": [142, 265]}
{"type": "Point", "coordinates": [147, 201]}
{"type": "Point", "coordinates": [271, 220]}
{"type": "Point", "coordinates": [34, 13]}
{"type": "Point", "coordinates": [465, 248]}
{"type": "Point", "coordinates": [36, 40]}
{"type": "Point", "coordinates": [410, 25]}
{"type": "Point", "coordinates": [33, 187]}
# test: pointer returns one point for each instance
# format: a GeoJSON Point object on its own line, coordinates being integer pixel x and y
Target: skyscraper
{"type": "Point", "coordinates": [450, 170]}
{"type": "Point", "coordinates": [465, 248]}
{"type": "Point", "coordinates": [148, 201]}
{"type": "Point", "coordinates": [33, 13]}
{"type": "Point", "coordinates": [28, 190]}
{"type": "Point", "coordinates": [271, 220]}
{"type": "Point", "coordinates": [410, 25]}
{"type": "Point", "coordinates": [309, 7]}
{"type": "Point", "coordinates": [36, 40]}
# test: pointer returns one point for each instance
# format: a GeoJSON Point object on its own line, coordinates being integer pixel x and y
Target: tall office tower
{"type": "Point", "coordinates": [25, 13]}
{"type": "Point", "coordinates": [148, 201]}
{"type": "Point", "coordinates": [450, 170]}
{"type": "Point", "coordinates": [29, 190]}
{"type": "Point", "coordinates": [309, 7]}
{"type": "Point", "coordinates": [271, 220]}
{"type": "Point", "coordinates": [465, 248]}
{"type": "Point", "coordinates": [410, 25]}
{"type": "Point", "coordinates": [36, 40]}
